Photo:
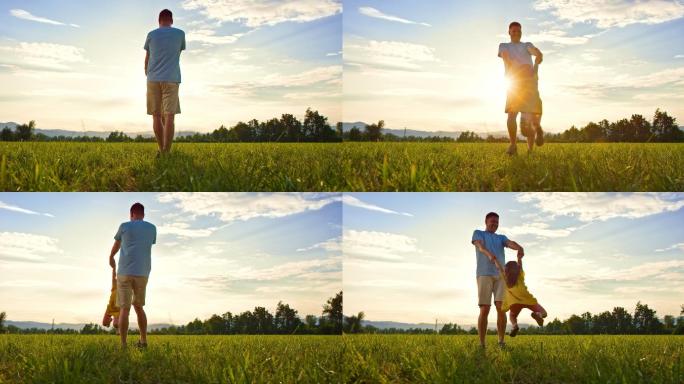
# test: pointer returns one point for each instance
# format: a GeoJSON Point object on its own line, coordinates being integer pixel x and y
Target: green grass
{"type": "Point", "coordinates": [526, 359]}
{"type": "Point", "coordinates": [170, 359]}
{"type": "Point", "coordinates": [340, 167]}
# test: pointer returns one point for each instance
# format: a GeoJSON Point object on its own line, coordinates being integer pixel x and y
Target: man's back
{"type": "Point", "coordinates": [136, 237]}
{"type": "Point", "coordinates": [165, 45]}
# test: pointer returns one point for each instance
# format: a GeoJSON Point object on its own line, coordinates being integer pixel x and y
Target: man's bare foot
{"type": "Point", "coordinates": [512, 149]}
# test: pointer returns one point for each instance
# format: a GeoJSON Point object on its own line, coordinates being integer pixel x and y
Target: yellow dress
{"type": "Point", "coordinates": [112, 308]}
{"type": "Point", "coordinates": [517, 294]}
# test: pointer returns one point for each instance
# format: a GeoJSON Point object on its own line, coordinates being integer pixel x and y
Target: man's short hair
{"type": "Point", "coordinates": [514, 24]}
{"type": "Point", "coordinates": [165, 15]}
{"type": "Point", "coordinates": [137, 209]}
{"type": "Point", "coordinates": [491, 214]}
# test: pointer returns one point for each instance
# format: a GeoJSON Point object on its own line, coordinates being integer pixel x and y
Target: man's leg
{"type": "Point", "coordinates": [169, 128]}
{"type": "Point", "coordinates": [512, 131]}
{"type": "Point", "coordinates": [142, 322]}
{"type": "Point", "coordinates": [500, 321]}
{"type": "Point", "coordinates": [158, 127]}
{"type": "Point", "coordinates": [482, 323]}
{"type": "Point", "coordinates": [123, 325]}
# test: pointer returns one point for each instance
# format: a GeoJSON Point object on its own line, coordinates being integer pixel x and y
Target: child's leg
{"type": "Point", "coordinates": [513, 314]}
{"type": "Point", "coordinates": [538, 308]}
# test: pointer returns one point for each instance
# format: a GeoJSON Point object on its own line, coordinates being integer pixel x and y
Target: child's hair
{"type": "Point", "coordinates": [512, 272]}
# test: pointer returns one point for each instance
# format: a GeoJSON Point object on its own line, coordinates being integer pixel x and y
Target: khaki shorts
{"type": "Point", "coordinates": [162, 98]}
{"type": "Point", "coordinates": [488, 286]}
{"type": "Point", "coordinates": [130, 290]}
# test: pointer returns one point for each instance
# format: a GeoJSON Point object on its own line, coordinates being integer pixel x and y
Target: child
{"type": "Point", "coordinates": [530, 123]}
{"type": "Point", "coordinates": [517, 296]}
{"type": "Point", "coordinates": [112, 310]}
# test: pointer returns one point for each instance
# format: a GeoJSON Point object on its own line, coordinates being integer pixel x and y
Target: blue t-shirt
{"type": "Point", "coordinates": [135, 256]}
{"type": "Point", "coordinates": [495, 244]}
{"type": "Point", "coordinates": [165, 45]}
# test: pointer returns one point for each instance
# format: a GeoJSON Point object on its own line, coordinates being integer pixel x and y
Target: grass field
{"type": "Point", "coordinates": [171, 359]}
{"type": "Point", "coordinates": [526, 359]}
{"type": "Point", "coordinates": [340, 167]}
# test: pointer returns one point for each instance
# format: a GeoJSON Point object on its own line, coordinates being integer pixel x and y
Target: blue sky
{"type": "Point", "coordinates": [80, 63]}
{"type": "Point", "coordinates": [408, 256]}
{"type": "Point", "coordinates": [215, 252]}
{"type": "Point", "coordinates": [432, 65]}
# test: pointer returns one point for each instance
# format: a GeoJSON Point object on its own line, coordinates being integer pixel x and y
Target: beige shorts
{"type": "Point", "coordinates": [162, 98]}
{"type": "Point", "coordinates": [130, 290]}
{"type": "Point", "coordinates": [488, 286]}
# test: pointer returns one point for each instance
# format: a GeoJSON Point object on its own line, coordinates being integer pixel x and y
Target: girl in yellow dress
{"type": "Point", "coordinates": [517, 296]}
{"type": "Point", "coordinates": [112, 311]}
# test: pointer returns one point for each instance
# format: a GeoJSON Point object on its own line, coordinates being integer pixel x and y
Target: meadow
{"type": "Point", "coordinates": [525, 359]}
{"type": "Point", "coordinates": [171, 359]}
{"type": "Point", "coordinates": [53, 166]}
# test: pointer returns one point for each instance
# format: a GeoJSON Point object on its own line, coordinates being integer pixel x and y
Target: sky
{"type": "Point", "coordinates": [408, 257]}
{"type": "Point", "coordinates": [433, 65]}
{"type": "Point", "coordinates": [215, 252]}
{"type": "Point", "coordinates": [78, 64]}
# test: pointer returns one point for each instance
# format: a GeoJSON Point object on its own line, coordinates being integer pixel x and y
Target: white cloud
{"type": "Point", "coordinates": [354, 202]}
{"type": "Point", "coordinates": [44, 55]}
{"type": "Point", "coordinates": [22, 14]}
{"type": "Point", "coordinates": [390, 54]}
{"type": "Point", "coordinates": [613, 13]}
{"type": "Point", "coordinates": [18, 246]}
{"type": "Point", "coordinates": [383, 246]}
{"type": "Point", "coordinates": [679, 56]}
{"type": "Point", "coordinates": [209, 37]}
{"type": "Point", "coordinates": [372, 12]}
{"type": "Point", "coordinates": [557, 37]}
{"type": "Point", "coordinates": [338, 53]}
{"type": "Point", "coordinates": [230, 207]}
{"type": "Point", "coordinates": [183, 230]}
{"type": "Point", "coordinates": [537, 229]}
{"type": "Point", "coordinates": [256, 13]}
{"type": "Point", "coordinates": [15, 208]}
{"type": "Point", "coordinates": [603, 206]}
{"type": "Point", "coordinates": [679, 246]}
{"type": "Point", "coordinates": [330, 245]}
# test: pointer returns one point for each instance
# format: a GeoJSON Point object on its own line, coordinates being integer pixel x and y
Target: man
{"type": "Point", "coordinates": [134, 239]}
{"type": "Point", "coordinates": [489, 251]}
{"type": "Point", "coordinates": [162, 68]}
{"type": "Point", "coordinates": [523, 92]}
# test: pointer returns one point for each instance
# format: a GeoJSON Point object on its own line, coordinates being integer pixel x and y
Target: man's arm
{"type": "Point", "coordinates": [479, 245]}
{"type": "Point", "coordinates": [534, 51]}
{"type": "Point", "coordinates": [513, 245]}
{"type": "Point", "coordinates": [147, 60]}
{"type": "Point", "coordinates": [115, 249]}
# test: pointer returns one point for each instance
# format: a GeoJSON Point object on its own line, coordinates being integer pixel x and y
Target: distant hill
{"type": "Point", "coordinates": [76, 326]}
{"type": "Point", "coordinates": [101, 134]}
{"type": "Point", "coordinates": [346, 127]}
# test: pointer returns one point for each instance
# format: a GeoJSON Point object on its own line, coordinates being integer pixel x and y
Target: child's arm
{"type": "Point", "coordinates": [113, 278]}
{"type": "Point", "coordinates": [520, 262]}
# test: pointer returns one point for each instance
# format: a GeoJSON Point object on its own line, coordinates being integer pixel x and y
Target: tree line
{"type": "Point", "coordinates": [662, 128]}
{"type": "Point", "coordinates": [287, 128]}
{"type": "Point", "coordinates": [260, 321]}
{"type": "Point", "coordinates": [618, 321]}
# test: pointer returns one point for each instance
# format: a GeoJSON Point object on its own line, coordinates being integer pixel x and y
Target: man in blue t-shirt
{"type": "Point", "coordinates": [133, 241]}
{"type": "Point", "coordinates": [489, 251]}
{"type": "Point", "coordinates": [162, 68]}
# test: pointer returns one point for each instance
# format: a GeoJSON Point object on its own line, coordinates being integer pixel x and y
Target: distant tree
{"type": "Point", "coordinates": [118, 137]}
{"type": "Point", "coordinates": [665, 127]}
{"type": "Point", "coordinates": [332, 310]}
{"type": "Point", "coordinates": [316, 127]}
{"type": "Point", "coordinates": [373, 131]}
{"type": "Point", "coordinates": [355, 134]}
{"type": "Point", "coordinates": [468, 137]}
{"type": "Point", "coordinates": [292, 127]}
{"type": "Point", "coordinates": [353, 323]}
{"type": "Point", "coordinates": [7, 135]}
{"type": "Point", "coordinates": [24, 132]}
{"type": "Point", "coordinates": [263, 320]}
{"type": "Point", "coordinates": [623, 320]}
{"type": "Point", "coordinates": [3, 318]}
{"type": "Point", "coordinates": [645, 320]}
{"type": "Point", "coordinates": [286, 320]}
